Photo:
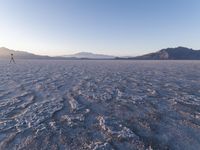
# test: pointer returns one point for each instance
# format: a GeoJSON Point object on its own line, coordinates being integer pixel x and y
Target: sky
{"type": "Point", "coordinates": [113, 27]}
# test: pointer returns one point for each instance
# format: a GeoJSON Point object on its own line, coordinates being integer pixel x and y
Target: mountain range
{"type": "Point", "coordinates": [88, 55]}
{"type": "Point", "coordinates": [5, 54]}
{"type": "Point", "coordinates": [178, 53]}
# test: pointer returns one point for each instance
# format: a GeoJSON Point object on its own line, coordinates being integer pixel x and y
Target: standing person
{"type": "Point", "coordinates": [12, 59]}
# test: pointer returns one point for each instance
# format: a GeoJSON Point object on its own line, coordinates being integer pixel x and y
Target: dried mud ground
{"type": "Point", "coordinates": [100, 105]}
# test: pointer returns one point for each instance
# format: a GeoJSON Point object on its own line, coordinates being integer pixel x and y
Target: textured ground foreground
{"type": "Point", "coordinates": [100, 105]}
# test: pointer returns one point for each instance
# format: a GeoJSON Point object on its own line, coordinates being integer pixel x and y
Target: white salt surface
{"type": "Point", "coordinates": [100, 105]}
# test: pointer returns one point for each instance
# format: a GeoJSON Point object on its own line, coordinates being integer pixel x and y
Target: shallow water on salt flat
{"type": "Point", "coordinates": [99, 104]}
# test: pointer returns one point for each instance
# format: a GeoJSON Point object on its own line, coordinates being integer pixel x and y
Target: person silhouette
{"type": "Point", "coordinates": [12, 59]}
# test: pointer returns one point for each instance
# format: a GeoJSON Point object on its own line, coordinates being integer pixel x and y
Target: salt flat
{"type": "Point", "coordinates": [100, 104]}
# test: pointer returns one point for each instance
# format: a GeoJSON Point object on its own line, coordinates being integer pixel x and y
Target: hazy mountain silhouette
{"type": "Point", "coordinates": [5, 54]}
{"type": "Point", "coordinates": [178, 53]}
{"type": "Point", "coordinates": [90, 56]}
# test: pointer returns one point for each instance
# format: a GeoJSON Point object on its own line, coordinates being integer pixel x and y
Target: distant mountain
{"type": "Point", "coordinates": [178, 53]}
{"type": "Point", "coordinates": [5, 54]}
{"type": "Point", "coordinates": [88, 55]}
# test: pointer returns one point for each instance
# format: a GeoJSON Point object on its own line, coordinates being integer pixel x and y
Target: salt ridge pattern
{"type": "Point", "coordinates": [95, 104]}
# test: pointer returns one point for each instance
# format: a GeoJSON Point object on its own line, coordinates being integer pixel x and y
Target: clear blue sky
{"type": "Point", "coordinates": [116, 27]}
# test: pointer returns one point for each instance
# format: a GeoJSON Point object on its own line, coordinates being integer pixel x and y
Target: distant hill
{"type": "Point", "coordinates": [88, 55]}
{"type": "Point", "coordinates": [178, 53]}
{"type": "Point", "coordinates": [5, 54]}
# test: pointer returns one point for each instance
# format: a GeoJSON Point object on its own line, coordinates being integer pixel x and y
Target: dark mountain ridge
{"type": "Point", "coordinates": [178, 53]}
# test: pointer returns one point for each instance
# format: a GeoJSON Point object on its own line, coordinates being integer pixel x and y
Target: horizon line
{"type": "Point", "coordinates": [94, 53]}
